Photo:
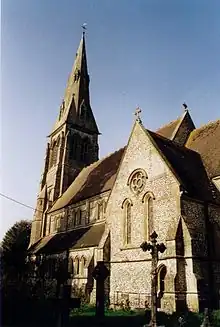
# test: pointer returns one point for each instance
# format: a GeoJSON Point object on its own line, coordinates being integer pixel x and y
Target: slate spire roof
{"type": "Point", "coordinates": [77, 93]}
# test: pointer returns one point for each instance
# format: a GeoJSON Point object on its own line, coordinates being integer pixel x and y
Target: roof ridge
{"type": "Point", "coordinates": [177, 145]}
{"type": "Point", "coordinates": [111, 153]}
{"type": "Point", "coordinates": [196, 132]}
{"type": "Point", "coordinates": [80, 180]}
{"type": "Point", "coordinates": [168, 124]}
{"type": "Point", "coordinates": [208, 124]}
{"type": "Point", "coordinates": [100, 160]}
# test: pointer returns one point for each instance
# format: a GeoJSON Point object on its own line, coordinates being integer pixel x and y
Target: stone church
{"type": "Point", "coordinates": [166, 181]}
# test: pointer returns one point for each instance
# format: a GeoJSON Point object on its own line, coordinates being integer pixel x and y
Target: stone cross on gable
{"type": "Point", "coordinates": [137, 114]}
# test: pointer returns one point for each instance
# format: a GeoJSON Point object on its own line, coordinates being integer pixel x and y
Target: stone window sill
{"type": "Point", "coordinates": [129, 247]}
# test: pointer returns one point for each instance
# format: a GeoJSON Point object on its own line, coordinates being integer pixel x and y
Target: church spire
{"type": "Point", "coordinates": [72, 144]}
{"type": "Point", "coordinates": [75, 108]}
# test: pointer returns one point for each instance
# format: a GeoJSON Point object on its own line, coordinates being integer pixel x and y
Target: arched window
{"type": "Point", "coordinates": [161, 274]}
{"type": "Point", "coordinates": [127, 204]}
{"type": "Point", "coordinates": [73, 144]}
{"type": "Point", "coordinates": [100, 211]}
{"type": "Point", "coordinates": [83, 264]}
{"type": "Point", "coordinates": [128, 223]}
{"type": "Point", "coordinates": [58, 141]}
{"type": "Point", "coordinates": [80, 217]}
{"type": "Point", "coordinates": [70, 265]}
{"type": "Point", "coordinates": [74, 218]}
{"type": "Point", "coordinates": [55, 152]}
{"type": "Point", "coordinates": [58, 224]}
{"type": "Point", "coordinates": [53, 224]}
{"type": "Point", "coordinates": [148, 200]}
{"type": "Point", "coordinates": [69, 220]}
{"type": "Point", "coordinates": [76, 266]}
{"type": "Point", "coordinates": [51, 161]}
{"type": "Point", "coordinates": [84, 149]}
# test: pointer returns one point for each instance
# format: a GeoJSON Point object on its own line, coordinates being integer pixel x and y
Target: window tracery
{"type": "Point", "coordinates": [137, 181]}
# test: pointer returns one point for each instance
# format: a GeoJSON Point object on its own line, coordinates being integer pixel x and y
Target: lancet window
{"type": "Point", "coordinates": [148, 200]}
{"type": "Point", "coordinates": [126, 206]}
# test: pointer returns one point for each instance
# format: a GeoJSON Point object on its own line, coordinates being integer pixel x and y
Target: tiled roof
{"type": "Point", "coordinates": [187, 166]}
{"type": "Point", "coordinates": [79, 238]}
{"type": "Point", "coordinates": [94, 179]}
{"type": "Point", "coordinates": [206, 141]}
{"type": "Point", "coordinates": [185, 162]}
{"type": "Point", "coordinates": [168, 130]}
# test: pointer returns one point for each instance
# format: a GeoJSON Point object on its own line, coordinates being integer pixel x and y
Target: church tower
{"type": "Point", "coordinates": [72, 143]}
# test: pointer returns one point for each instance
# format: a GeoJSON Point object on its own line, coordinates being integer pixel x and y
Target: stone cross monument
{"type": "Point", "coordinates": [155, 248]}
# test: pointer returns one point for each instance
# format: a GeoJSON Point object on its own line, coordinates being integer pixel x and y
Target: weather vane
{"type": "Point", "coordinates": [185, 106]}
{"type": "Point", "coordinates": [84, 28]}
{"type": "Point", "coordinates": [137, 114]}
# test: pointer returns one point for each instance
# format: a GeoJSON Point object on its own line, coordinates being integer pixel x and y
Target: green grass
{"type": "Point", "coordinates": [138, 318]}
{"type": "Point", "coordinates": [89, 311]}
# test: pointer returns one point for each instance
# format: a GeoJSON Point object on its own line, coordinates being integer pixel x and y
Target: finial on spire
{"type": "Point", "coordinates": [185, 106]}
{"type": "Point", "coordinates": [84, 28]}
{"type": "Point", "coordinates": [137, 114]}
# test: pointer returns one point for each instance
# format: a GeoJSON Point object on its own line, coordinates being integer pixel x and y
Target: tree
{"type": "Point", "coordinates": [14, 253]}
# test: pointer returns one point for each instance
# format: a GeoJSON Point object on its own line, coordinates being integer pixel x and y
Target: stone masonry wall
{"type": "Point", "coordinates": [130, 266]}
{"type": "Point", "coordinates": [214, 218]}
{"type": "Point", "coordinates": [196, 252]}
{"type": "Point", "coordinates": [83, 280]}
{"type": "Point", "coordinates": [66, 219]}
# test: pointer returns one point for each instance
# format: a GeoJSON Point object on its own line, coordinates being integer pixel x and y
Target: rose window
{"type": "Point", "coordinates": [137, 181]}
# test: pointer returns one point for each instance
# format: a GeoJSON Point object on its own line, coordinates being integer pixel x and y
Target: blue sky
{"type": "Point", "coordinates": [152, 53]}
